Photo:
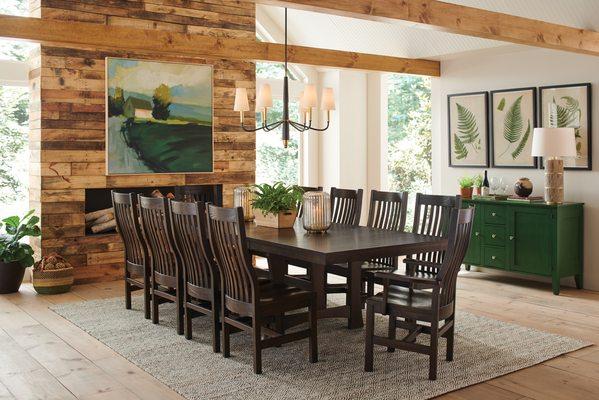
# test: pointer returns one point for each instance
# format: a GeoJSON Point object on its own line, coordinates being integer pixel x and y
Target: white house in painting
{"type": "Point", "coordinates": [137, 108]}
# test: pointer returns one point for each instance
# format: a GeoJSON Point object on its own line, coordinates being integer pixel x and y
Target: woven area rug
{"type": "Point", "coordinates": [484, 349]}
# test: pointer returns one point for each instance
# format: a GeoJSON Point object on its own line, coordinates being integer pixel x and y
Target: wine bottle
{"type": "Point", "coordinates": [485, 188]}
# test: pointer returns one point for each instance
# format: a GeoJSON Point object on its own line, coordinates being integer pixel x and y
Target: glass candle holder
{"type": "Point", "coordinates": [243, 197]}
{"type": "Point", "coordinates": [316, 212]}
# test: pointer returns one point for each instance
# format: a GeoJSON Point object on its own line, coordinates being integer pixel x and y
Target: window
{"type": "Point", "coordinates": [273, 162]}
{"type": "Point", "coordinates": [409, 157]}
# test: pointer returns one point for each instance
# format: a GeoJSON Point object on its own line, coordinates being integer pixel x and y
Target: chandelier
{"type": "Point", "coordinates": [307, 102]}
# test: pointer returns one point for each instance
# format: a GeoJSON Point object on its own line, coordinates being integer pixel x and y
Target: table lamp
{"type": "Point", "coordinates": [553, 144]}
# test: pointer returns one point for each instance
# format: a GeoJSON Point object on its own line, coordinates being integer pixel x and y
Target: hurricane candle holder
{"type": "Point", "coordinates": [243, 197]}
{"type": "Point", "coordinates": [316, 211]}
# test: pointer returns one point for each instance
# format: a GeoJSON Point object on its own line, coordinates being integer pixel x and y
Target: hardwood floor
{"type": "Point", "coordinates": [42, 356]}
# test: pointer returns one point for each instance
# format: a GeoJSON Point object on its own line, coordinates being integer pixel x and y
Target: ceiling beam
{"type": "Point", "coordinates": [458, 19]}
{"type": "Point", "coordinates": [107, 37]}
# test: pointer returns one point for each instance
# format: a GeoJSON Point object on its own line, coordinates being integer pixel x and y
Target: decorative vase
{"type": "Point", "coordinates": [478, 190]}
{"type": "Point", "coordinates": [466, 193]}
{"type": "Point", "coordinates": [52, 275]}
{"type": "Point", "coordinates": [282, 220]}
{"type": "Point", "coordinates": [243, 196]}
{"type": "Point", "coordinates": [523, 187]}
{"type": "Point", "coordinates": [317, 211]}
{"type": "Point", "coordinates": [11, 277]}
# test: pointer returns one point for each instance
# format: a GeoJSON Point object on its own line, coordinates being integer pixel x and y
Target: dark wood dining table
{"type": "Point", "coordinates": [342, 244]}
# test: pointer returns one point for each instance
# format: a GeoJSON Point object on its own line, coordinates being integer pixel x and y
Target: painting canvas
{"type": "Point", "coordinates": [467, 126]}
{"type": "Point", "coordinates": [159, 117]}
{"type": "Point", "coordinates": [569, 106]}
{"type": "Point", "coordinates": [513, 119]}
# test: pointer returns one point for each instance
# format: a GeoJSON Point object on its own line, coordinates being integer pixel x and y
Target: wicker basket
{"type": "Point", "coordinates": [48, 279]}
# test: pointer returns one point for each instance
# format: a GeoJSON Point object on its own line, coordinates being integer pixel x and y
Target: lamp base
{"type": "Point", "coordinates": [554, 181]}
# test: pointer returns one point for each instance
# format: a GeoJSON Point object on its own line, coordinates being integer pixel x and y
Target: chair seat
{"type": "Point", "coordinates": [283, 297]}
{"type": "Point", "coordinates": [402, 297]}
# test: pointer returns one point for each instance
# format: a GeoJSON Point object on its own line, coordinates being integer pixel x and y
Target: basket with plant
{"type": "Point", "coordinates": [275, 205]}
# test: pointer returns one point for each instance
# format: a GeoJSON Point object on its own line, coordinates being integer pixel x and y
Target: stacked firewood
{"type": "Point", "coordinates": [100, 221]}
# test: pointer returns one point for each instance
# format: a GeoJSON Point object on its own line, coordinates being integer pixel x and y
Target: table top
{"type": "Point", "coordinates": [342, 243]}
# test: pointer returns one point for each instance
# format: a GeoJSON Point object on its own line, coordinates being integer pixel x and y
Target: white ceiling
{"type": "Point", "coordinates": [408, 40]}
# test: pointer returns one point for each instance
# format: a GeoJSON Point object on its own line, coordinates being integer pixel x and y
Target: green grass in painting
{"type": "Point", "coordinates": [170, 146]}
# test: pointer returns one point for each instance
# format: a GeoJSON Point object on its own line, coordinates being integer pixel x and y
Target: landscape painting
{"type": "Point", "coordinates": [159, 117]}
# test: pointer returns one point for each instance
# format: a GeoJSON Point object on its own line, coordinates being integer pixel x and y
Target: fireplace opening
{"type": "Point", "coordinates": [99, 218]}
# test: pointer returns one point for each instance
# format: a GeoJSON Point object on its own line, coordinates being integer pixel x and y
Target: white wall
{"type": "Point", "coordinates": [535, 67]}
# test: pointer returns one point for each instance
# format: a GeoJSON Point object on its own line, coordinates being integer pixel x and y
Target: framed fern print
{"type": "Point", "coordinates": [467, 120]}
{"type": "Point", "coordinates": [513, 118]}
{"type": "Point", "coordinates": [569, 106]}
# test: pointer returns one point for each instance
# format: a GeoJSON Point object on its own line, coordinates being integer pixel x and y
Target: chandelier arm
{"type": "Point", "coordinates": [272, 126]}
{"type": "Point", "coordinates": [321, 129]}
{"type": "Point", "coordinates": [250, 129]}
{"type": "Point", "coordinates": [299, 126]}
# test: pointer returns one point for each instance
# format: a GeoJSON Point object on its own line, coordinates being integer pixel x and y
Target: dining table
{"type": "Point", "coordinates": [341, 244]}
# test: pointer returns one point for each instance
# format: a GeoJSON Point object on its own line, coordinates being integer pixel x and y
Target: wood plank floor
{"type": "Point", "coordinates": [42, 356]}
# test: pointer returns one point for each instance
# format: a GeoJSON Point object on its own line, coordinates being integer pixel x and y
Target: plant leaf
{"type": "Point", "coordinates": [467, 128]}
{"type": "Point", "coordinates": [501, 105]}
{"type": "Point", "coordinates": [459, 148]}
{"type": "Point", "coordinates": [516, 153]}
{"type": "Point", "coordinates": [512, 126]}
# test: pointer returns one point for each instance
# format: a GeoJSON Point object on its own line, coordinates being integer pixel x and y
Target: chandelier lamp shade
{"type": "Point", "coordinates": [308, 101]}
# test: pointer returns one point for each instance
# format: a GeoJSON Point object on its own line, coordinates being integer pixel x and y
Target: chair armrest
{"type": "Point", "coordinates": [421, 282]}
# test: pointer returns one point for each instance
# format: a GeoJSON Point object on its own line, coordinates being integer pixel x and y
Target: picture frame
{"type": "Point", "coordinates": [513, 117]}
{"type": "Point", "coordinates": [570, 105]}
{"type": "Point", "coordinates": [468, 129]}
{"type": "Point", "coordinates": [159, 117]}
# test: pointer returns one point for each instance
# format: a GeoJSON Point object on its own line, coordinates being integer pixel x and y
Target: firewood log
{"type": "Point", "coordinates": [101, 220]}
{"type": "Point", "coordinates": [106, 226]}
{"type": "Point", "coordinates": [94, 215]}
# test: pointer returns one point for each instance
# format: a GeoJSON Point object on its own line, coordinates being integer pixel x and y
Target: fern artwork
{"type": "Point", "coordinates": [568, 107]}
{"type": "Point", "coordinates": [513, 120]}
{"type": "Point", "coordinates": [467, 121]}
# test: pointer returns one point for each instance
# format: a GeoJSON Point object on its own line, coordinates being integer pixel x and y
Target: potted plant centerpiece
{"type": "Point", "coordinates": [466, 184]}
{"type": "Point", "coordinates": [15, 256]}
{"type": "Point", "coordinates": [478, 184]}
{"type": "Point", "coordinates": [275, 205]}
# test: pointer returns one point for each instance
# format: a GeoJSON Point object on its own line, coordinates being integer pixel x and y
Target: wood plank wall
{"type": "Point", "coordinates": [67, 121]}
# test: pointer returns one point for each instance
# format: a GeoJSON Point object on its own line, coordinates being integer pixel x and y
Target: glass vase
{"type": "Point", "coordinates": [243, 196]}
{"type": "Point", "coordinates": [316, 208]}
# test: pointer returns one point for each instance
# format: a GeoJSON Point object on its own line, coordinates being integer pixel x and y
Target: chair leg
{"type": "Point", "coordinates": [127, 295]}
{"type": "Point", "coordinates": [147, 305]}
{"type": "Point", "coordinates": [449, 335]}
{"type": "Point", "coordinates": [154, 308]}
{"type": "Point", "coordinates": [188, 327]}
{"type": "Point", "coordinates": [313, 332]}
{"type": "Point", "coordinates": [226, 331]}
{"type": "Point", "coordinates": [369, 342]}
{"type": "Point", "coordinates": [180, 311]}
{"type": "Point", "coordinates": [434, 348]}
{"type": "Point", "coordinates": [392, 332]}
{"type": "Point", "coordinates": [215, 328]}
{"type": "Point", "coordinates": [370, 286]}
{"type": "Point", "coordinates": [257, 338]}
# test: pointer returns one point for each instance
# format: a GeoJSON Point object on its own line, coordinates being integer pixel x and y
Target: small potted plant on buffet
{"type": "Point", "coordinates": [466, 184]}
{"type": "Point", "coordinates": [15, 255]}
{"type": "Point", "coordinates": [478, 184]}
{"type": "Point", "coordinates": [275, 205]}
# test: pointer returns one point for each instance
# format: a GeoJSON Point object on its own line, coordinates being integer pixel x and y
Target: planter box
{"type": "Point", "coordinates": [280, 220]}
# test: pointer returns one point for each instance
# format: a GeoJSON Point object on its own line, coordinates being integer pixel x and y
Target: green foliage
{"type": "Point", "coordinates": [522, 143]}
{"type": "Point", "coordinates": [513, 124]}
{"type": "Point", "coordinates": [459, 148]}
{"type": "Point", "coordinates": [478, 181]}
{"type": "Point", "coordinates": [11, 247]}
{"type": "Point", "coordinates": [162, 100]}
{"type": "Point", "coordinates": [13, 140]}
{"type": "Point", "coordinates": [467, 127]}
{"type": "Point", "coordinates": [466, 181]}
{"type": "Point", "coordinates": [116, 103]}
{"type": "Point", "coordinates": [273, 199]}
{"type": "Point", "coordinates": [501, 104]}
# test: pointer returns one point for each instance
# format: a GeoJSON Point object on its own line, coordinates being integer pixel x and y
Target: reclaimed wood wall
{"type": "Point", "coordinates": [67, 120]}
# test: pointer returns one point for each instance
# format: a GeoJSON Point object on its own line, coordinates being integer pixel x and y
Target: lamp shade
{"type": "Point", "coordinates": [553, 142]}
{"type": "Point", "coordinates": [241, 100]}
{"type": "Point", "coordinates": [310, 98]}
{"type": "Point", "coordinates": [264, 99]}
{"type": "Point", "coordinates": [328, 99]}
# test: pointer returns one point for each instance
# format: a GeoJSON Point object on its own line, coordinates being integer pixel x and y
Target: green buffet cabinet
{"type": "Point", "coordinates": [529, 238]}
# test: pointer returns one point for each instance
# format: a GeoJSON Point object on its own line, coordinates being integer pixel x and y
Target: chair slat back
{"type": "Point", "coordinates": [346, 206]}
{"type": "Point", "coordinates": [387, 211]}
{"type": "Point", "coordinates": [156, 226]}
{"type": "Point", "coordinates": [432, 217]}
{"type": "Point", "coordinates": [127, 221]}
{"type": "Point", "coordinates": [300, 206]}
{"type": "Point", "coordinates": [191, 241]}
{"type": "Point", "coordinates": [227, 237]}
{"type": "Point", "coordinates": [458, 241]}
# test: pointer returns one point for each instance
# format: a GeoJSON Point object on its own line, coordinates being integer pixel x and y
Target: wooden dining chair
{"type": "Point", "coordinates": [167, 279]}
{"type": "Point", "coordinates": [346, 206]}
{"type": "Point", "coordinates": [430, 309]}
{"type": "Point", "coordinates": [200, 276]}
{"type": "Point", "coordinates": [431, 217]}
{"type": "Point", "coordinates": [244, 298]}
{"type": "Point", "coordinates": [387, 211]}
{"type": "Point", "coordinates": [204, 193]}
{"type": "Point", "coordinates": [137, 270]}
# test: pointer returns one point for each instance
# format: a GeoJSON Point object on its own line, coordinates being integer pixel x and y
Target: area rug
{"type": "Point", "coordinates": [484, 349]}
